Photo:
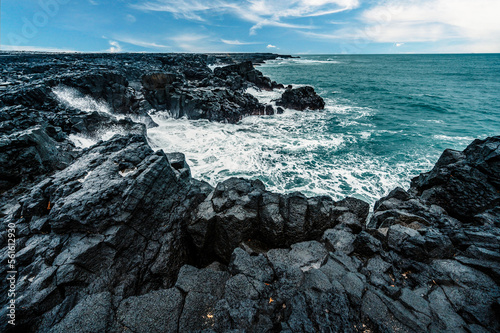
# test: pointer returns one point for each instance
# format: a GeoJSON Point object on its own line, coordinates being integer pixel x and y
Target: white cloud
{"type": "Point", "coordinates": [187, 9]}
{"type": "Point", "coordinates": [273, 13]}
{"type": "Point", "coordinates": [115, 47]}
{"type": "Point", "coordinates": [271, 46]}
{"type": "Point", "coordinates": [237, 42]}
{"type": "Point", "coordinates": [271, 23]}
{"type": "Point", "coordinates": [336, 35]}
{"type": "Point", "coordinates": [399, 44]}
{"type": "Point", "coordinates": [472, 18]}
{"type": "Point", "coordinates": [470, 26]}
{"type": "Point", "coordinates": [474, 22]}
{"type": "Point", "coordinates": [140, 43]}
{"type": "Point", "coordinates": [197, 43]}
{"type": "Point", "coordinates": [300, 8]}
{"type": "Point", "coordinates": [188, 38]}
{"type": "Point", "coordinates": [258, 12]}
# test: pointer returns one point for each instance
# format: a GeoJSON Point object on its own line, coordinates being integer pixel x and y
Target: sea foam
{"type": "Point", "coordinates": [75, 99]}
{"type": "Point", "coordinates": [294, 151]}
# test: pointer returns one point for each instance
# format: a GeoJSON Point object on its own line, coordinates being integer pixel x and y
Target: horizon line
{"type": "Point", "coordinates": [284, 54]}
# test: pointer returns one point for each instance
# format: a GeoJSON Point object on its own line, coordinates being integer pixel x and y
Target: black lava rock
{"type": "Point", "coordinates": [117, 237]}
{"type": "Point", "coordinates": [301, 98]}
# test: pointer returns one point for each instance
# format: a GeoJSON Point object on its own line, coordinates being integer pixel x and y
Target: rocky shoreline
{"type": "Point", "coordinates": [118, 237]}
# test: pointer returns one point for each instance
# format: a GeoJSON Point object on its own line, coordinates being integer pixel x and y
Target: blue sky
{"type": "Point", "coordinates": [287, 27]}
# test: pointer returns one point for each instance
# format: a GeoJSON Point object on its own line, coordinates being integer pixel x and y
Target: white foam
{"type": "Point", "coordinates": [265, 96]}
{"type": "Point", "coordinates": [365, 135]}
{"type": "Point", "coordinates": [82, 141]}
{"type": "Point", "coordinates": [109, 132]}
{"type": "Point", "coordinates": [294, 151]}
{"type": "Point", "coordinates": [85, 141]}
{"type": "Point", "coordinates": [73, 98]}
{"type": "Point", "coordinates": [452, 138]}
{"type": "Point", "coordinates": [212, 67]}
{"type": "Point", "coordinates": [298, 61]}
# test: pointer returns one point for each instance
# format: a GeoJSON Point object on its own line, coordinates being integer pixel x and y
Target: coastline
{"type": "Point", "coordinates": [233, 256]}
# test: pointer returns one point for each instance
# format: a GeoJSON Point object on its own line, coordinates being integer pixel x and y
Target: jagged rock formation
{"type": "Point", "coordinates": [50, 97]}
{"type": "Point", "coordinates": [465, 183]}
{"type": "Point", "coordinates": [120, 238]}
{"type": "Point", "coordinates": [237, 75]}
{"type": "Point", "coordinates": [301, 98]}
{"type": "Point", "coordinates": [239, 210]}
{"type": "Point", "coordinates": [133, 85]}
{"type": "Point", "coordinates": [127, 237]}
{"type": "Point", "coordinates": [112, 221]}
{"type": "Point", "coordinates": [29, 153]}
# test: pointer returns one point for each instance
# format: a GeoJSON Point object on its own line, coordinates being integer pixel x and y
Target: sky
{"type": "Point", "coordinates": [280, 26]}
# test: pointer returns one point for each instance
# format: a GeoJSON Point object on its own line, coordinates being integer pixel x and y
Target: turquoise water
{"type": "Point", "coordinates": [388, 118]}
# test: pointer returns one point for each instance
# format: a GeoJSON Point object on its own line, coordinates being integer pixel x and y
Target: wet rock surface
{"type": "Point", "coordinates": [131, 85]}
{"type": "Point", "coordinates": [301, 98]}
{"type": "Point", "coordinates": [118, 237]}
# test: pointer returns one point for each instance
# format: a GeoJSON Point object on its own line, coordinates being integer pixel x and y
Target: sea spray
{"type": "Point", "coordinates": [75, 99]}
{"type": "Point", "coordinates": [291, 152]}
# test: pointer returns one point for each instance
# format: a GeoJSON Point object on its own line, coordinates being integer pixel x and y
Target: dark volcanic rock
{"type": "Point", "coordinates": [158, 81]}
{"type": "Point", "coordinates": [239, 210]}
{"type": "Point", "coordinates": [207, 103]}
{"type": "Point", "coordinates": [123, 255]}
{"type": "Point", "coordinates": [466, 184]}
{"type": "Point", "coordinates": [422, 237]}
{"type": "Point", "coordinates": [117, 237]}
{"type": "Point", "coordinates": [110, 222]}
{"type": "Point", "coordinates": [133, 85]}
{"type": "Point", "coordinates": [33, 96]}
{"type": "Point", "coordinates": [247, 72]}
{"type": "Point", "coordinates": [27, 154]}
{"type": "Point", "coordinates": [109, 86]}
{"type": "Point", "coordinates": [301, 98]}
{"type": "Point", "coordinates": [178, 163]}
{"type": "Point", "coordinates": [276, 291]}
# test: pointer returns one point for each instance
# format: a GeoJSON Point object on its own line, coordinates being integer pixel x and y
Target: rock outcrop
{"type": "Point", "coordinates": [224, 105]}
{"type": "Point", "coordinates": [133, 85]}
{"type": "Point", "coordinates": [301, 98]}
{"type": "Point", "coordinates": [466, 184]}
{"type": "Point", "coordinates": [241, 211]}
{"type": "Point", "coordinates": [111, 222]}
{"type": "Point", "coordinates": [124, 239]}
{"type": "Point", "coordinates": [238, 75]}
{"type": "Point", "coordinates": [29, 153]}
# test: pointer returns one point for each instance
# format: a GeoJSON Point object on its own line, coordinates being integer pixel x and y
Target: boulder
{"type": "Point", "coordinates": [247, 72]}
{"type": "Point", "coordinates": [30, 153]}
{"type": "Point", "coordinates": [110, 221]}
{"type": "Point", "coordinates": [466, 183]}
{"type": "Point", "coordinates": [301, 99]}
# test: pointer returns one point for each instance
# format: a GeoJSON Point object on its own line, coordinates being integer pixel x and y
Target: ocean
{"type": "Point", "coordinates": [387, 119]}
